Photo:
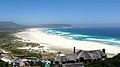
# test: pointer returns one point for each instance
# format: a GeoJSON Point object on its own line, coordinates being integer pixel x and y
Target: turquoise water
{"type": "Point", "coordinates": [109, 36]}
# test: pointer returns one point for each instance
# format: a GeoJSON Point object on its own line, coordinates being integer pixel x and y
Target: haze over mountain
{"type": "Point", "coordinates": [9, 24]}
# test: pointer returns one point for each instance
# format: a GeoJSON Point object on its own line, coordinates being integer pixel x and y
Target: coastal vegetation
{"type": "Point", "coordinates": [7, 40]}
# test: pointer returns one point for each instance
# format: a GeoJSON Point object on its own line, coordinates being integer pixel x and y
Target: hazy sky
{"type": "Point", "coordinates": [61, 11]}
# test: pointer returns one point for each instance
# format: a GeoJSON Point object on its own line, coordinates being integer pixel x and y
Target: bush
{"type": "Point", "coordinates": [4, 64]}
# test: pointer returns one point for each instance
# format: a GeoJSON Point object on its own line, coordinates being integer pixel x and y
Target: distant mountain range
{"type": "Point", "coordinates": [52, 25]}
{"type": "Point", "coordinates": [12, 25]}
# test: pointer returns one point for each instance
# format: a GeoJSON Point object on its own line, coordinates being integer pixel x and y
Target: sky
{"type": "Point", "coordinates": [83, 12]}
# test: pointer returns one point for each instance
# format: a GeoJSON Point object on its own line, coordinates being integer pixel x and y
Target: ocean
{"type": "Point", "coordinates": [108, 35]}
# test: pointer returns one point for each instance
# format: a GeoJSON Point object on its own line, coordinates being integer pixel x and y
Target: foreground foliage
{"type": "Point", "coordinates": [111, 62]}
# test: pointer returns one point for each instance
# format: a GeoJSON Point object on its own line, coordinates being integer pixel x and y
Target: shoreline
{"type": "Point", "coordinates": [56, 43]}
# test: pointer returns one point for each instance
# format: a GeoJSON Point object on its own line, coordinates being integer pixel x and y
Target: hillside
{"type": "Point", "coordinates": [9, 25]}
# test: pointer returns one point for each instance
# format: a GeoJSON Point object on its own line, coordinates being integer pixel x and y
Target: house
{"type": "Point", "coordinates": [89, 56]}
{"type": "Point", "coordinates": [82, 56]}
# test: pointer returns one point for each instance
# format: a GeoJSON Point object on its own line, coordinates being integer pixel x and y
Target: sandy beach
{"type": "Point", "coordinates": [56, 43]}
